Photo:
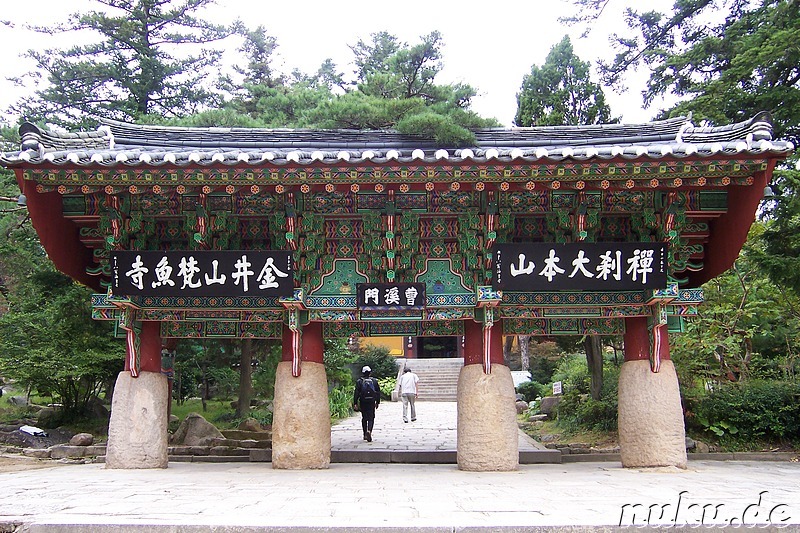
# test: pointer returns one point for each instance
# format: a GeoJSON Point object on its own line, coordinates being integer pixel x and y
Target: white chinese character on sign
{"type": "Point", "coordinates": [411, 296]}
{"type": "Point", "coordinates": [551, 269]}
{"type": "Point", "coordinates": [242, 273]}
{"type": "Point", "coordinates": [578, 265]}
{"type": "Point", "coordinates": [640, 263]}
{"type": "Point", "coordinates": [522, 269]}
{"type": "Point", "coordinates": [188, 269]}
{"type": "Point", "coordinates": [215, 278]}
{"type": "Point", "coordinates": [163, 272]}
{"type": "Point", "coordinates": [371, 294]}
{"type": "Point", "coordinates": [267, 275]}
{"type": "Point", "coordinates": [392, 296]}
{"type": "Point", "coordinates": [610, 265]}
{"type": "Point", "coordinates": [137, 272]}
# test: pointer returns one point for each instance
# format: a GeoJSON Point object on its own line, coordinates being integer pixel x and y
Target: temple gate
{"type": "Point", "coordinates": [372, 217]}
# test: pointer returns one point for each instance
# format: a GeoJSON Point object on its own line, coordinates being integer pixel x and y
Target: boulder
{"type": "Point", "coordinates": [549, 404]}
{"type": "Point", "coordinates": [701, 447]}
{"type": "Point", "coordinates": [537, 418]}
{"type": "Point", "coordinates": [19, 401]}
{"type": "Point", "coordinates": [522, 406]}
{"type": "Point", "coordinates": [690, 443]}
{"type": "Point", "coordinates": [195, 431]}
{"type": "Point", "coordinates": [250, 424]}
{"type": "Point", "coordinates": [82, 439]}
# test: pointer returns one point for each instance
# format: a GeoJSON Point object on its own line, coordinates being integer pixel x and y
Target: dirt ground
{"type": "Point", "coordinates": [17, 463]}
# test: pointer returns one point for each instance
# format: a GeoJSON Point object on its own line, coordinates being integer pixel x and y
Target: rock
{"type": "Point", "coordinates": [62, 451]}
{"type": "Point", "coordinates": [19, 401]}
{"type": "Point", "coordinates": [38, 453]}
{"type": "Point", "coordinates": [195, 431]}
{"type": "Point", "coordinates": [547, 438]}
{"type": "Point", "coordinates": [520, 397]}
{"type": "Point", "coordinates": [45, 416]}
{"type": "Point", "coordinates": [173, 418]}
{"type": "Point", "coordinates": [549, 404]}
{"type": "Point", "coordinates": [690, 443]}
{"type": "Point", "coordinates": [82, 439]}
{"type": "Point", "coordinates": [250, 424]}
{"type": "Point", "coordinates": [521, 407]}
{"type": "Point", "coordinates": [532, 404]}
{"type": "Point", "coordinates": [537, 418]}
{"type": "Point", "coordinates": [701, 447]}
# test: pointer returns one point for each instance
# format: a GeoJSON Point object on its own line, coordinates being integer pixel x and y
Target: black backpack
{"type": "Point", "coordinates": [369, 390]}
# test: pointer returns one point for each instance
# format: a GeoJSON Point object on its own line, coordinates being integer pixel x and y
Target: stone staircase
{"type": "Point", "coordinates": [438, 378]}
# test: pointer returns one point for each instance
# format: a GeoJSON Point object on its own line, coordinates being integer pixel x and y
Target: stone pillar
{"type": "Point", "coordinates": [301, 420]}
{"type": "Point", "coordinates": [137, 432]}
{"type": "Point", "coordinates": [650, 416]}
{"type": "Point", "coordinates": [488, 436]}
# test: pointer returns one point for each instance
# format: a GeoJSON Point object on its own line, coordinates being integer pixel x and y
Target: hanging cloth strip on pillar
{"type": "Point", "coordinates": [297, 341]}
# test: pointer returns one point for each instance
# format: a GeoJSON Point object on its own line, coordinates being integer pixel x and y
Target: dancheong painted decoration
{"type": "Point", "coordinates": [377, 208]}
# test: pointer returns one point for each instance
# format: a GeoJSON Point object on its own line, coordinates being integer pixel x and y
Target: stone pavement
{"type": "Point", "coordinates": [430, 439]}
{"type": "Point", "coordinates": [252, 497]}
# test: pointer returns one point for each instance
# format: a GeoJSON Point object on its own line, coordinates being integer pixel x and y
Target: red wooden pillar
{"type": "Point", "coordinates": [639, 344]}
{"type": "Point", "coordinates": [149, 346]}
{"type": "Point", "coordinates": [312, 345]}
{"type": "Point", "coordinates": [474, 343]}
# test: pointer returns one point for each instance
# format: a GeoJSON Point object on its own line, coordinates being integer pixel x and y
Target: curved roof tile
{"type": "Point", "coordinates": [116, 143]}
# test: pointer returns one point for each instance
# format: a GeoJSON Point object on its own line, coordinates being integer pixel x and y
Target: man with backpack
{"type": "Point", "coordinates": [366, 398]}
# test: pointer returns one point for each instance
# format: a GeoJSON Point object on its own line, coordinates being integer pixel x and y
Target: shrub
{"type": "Point", "coordinates": [577, 409]}
{"type": "Point", "coordinates": [341, 402]}
{"type": "Point", "coordinates": [378, 359]}
{"type": "Point", "coordinates": [747, 411]}
{"type": "Point", "coordinates": [530, 390]}
{"type": "Point", "coordinates": [387, 386]}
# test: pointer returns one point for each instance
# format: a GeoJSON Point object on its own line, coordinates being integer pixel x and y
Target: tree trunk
{"type": "Point", "coordinates": [525, 360]}
{"type": "Point", "coordinates": [507, 345]}
{"type": "Point", "coordinates": [594, 359]}
{"type": "Point", "coordinates": [204, 395]}
{"type": "Point", "coordinates": [245, 379]}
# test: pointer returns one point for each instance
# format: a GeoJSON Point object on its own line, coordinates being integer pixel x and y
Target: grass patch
{"type": "Point", "coordinates": [550, 432]}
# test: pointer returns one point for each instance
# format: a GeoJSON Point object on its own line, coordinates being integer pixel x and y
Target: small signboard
{"type": "Point", "coordinates": [202, 273]}
{"type": "Point", "coordinates": [379, 296]}
{"type": "Point", "coordinates": [556, 388]}
{"type": "Point", "coordinates": [615, 266]}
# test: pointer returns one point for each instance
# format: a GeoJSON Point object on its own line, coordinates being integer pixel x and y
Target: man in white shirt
{"type": "Point", "coordinates": [408, 393]}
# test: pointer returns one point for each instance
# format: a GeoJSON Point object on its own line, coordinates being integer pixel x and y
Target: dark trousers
{"type": "Point", "coordinates": [367, 416]}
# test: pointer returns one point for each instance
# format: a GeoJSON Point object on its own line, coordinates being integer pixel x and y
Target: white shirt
{"type": "Point", "coordinates": [408, 383]}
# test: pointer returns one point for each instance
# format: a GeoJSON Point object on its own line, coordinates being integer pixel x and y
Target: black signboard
{"type": "Point", "coordinates": [202, 273]}
{"type": "Point", "coordinates": [611, 266]}
{"type": "Point", "coordinates": [390, 295]}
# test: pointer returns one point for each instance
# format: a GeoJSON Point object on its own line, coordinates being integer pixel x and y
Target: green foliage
{"type": "Point", "coordinates": [560, 92]}
{"type": "Point", "coordinates": [133, 65]}
{"type": "Point", "coordinates": [746, 328]}
{"type": "Point", "coordinates": [438, 127]}
{"type": "Point", "coordinates": [337, 359]}
{"type": "Point", "coordinates": [387, 385]}
{"type": "Point", "coordinates": [751, 411]}
{"type": "Point", "coordinates": [543, 367]}
{"type": "Point", "coordinates": [577, 410]}
{"type": "Point", "coordinates": [726, 60]}
{"type": "Point", "coordinates": [341, 402]}
{"type": "Point", "coordinates": [378, 359]}
{"type": "Point", "coordinates": [50, 344]}
{"type": "Point", "coordinates": [531, 390]}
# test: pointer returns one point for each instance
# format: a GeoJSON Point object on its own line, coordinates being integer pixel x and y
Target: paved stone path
{"type": "Point", "coordinates": [434, 429]}
{"type": "Point", "coordinates": [252, 497]}
{"type": "Point", "coordinates": [243, 497]}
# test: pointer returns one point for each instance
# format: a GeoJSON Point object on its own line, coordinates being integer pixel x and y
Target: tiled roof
{"type": "Point", "coordinates": [117, 143]}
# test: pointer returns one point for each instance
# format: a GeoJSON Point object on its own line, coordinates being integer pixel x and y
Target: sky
{"type": "Point", "coordinates": [488, 45]}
